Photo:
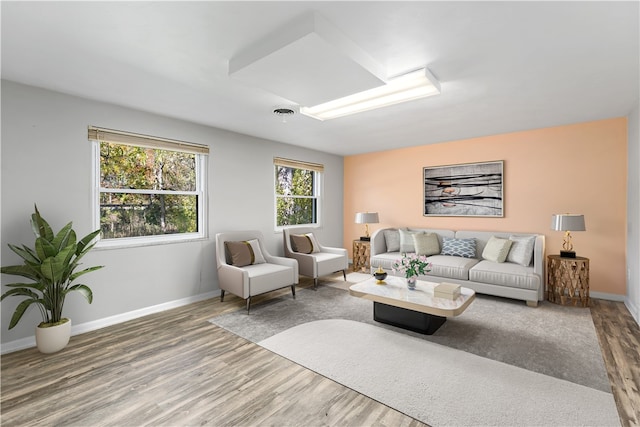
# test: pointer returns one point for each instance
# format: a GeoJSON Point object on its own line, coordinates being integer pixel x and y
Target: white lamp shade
{"type": "Point", "coordinates": [367, 218]}
{"type": "Point", "coordinates": [567, 222]}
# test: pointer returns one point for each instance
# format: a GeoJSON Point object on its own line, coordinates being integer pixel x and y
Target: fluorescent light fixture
{"type": "Point", "coordinates": [407, 87]}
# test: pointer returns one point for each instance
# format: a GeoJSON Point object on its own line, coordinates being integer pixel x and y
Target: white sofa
{"type": "Point", "coordinates": [504, 279]}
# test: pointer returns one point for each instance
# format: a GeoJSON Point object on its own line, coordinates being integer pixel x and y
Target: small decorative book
{"type": "Point", "coordinates": [447, 290]}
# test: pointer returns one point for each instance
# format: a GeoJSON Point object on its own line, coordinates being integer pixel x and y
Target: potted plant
{"type": "Point", "coordinates": [51, 264]}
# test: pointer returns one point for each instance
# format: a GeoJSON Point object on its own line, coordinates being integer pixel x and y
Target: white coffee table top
{"type": "Point", "coordinates": [396, 293]}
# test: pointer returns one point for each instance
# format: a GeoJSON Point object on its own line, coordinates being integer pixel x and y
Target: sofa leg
{"type": "Point", "coordinates": [532, 303]}
{"type": "Point", "coordinates": [315, 284]}
{"type": "Point", "coordinates": [222, 295]}
{"type": "Point", "coordinates": [293, 291]}
{"type": "Point", "coordinates": [248, 304]}
{"type": "Point", "coordinates": [344, 274]}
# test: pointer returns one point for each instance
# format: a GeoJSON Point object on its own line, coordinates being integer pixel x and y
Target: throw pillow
{"type": "Point", "coordinates": [521, 251]}
{"type": "Point", "coordinates": [406, 241]}
{"type": "Point", "coordinates": [392, 239]}
{"type": "Point", "coordinates": [304, 243]}
{"type": "Point", "coordinates": [426, 244]}
{"type": "Point", "coordinates": [459, 247]}
{"type": "Point", "coordinates": [496, 249]}
{"type": "Point", "coordinates": [244, 253]}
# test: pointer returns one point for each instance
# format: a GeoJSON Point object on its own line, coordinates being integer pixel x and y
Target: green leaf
{"type": "Point", "coordinates": [25, 253]}
{"type": "Point", "coordinates": [40, 227]}
{"type": "Point", "coordinates": [20, 292]}
{"type": "Point", "coordinates": [45, 248]}
{"type": "Point", "coordinates": [83, 289]}
{"type": "Point", "coordinates": [85, 271]}
{"type": "Point", "coordinates": [82, 244]}
{"type": "Point", "coordinates": [20, 309]}
{"type": "Point", "coordinates": [65, 237]}
{"type": "Point", "coordinates": [36, 285]}
{"type": "Point", "coordinates": [20, 270]}
{"type": "Point", "coordinates": [52, 269]}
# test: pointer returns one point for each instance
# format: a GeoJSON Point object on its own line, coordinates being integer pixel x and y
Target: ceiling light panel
{"type": "Point", "coordinates": [414, 85]}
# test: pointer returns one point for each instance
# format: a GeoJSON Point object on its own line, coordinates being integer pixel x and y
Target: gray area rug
{"type": "Point", "coordinates": [553, 340]}
{"type": "Point", "coordinates": [436, 384]}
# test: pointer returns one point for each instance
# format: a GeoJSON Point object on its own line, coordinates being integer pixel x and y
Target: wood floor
{"type": "Point", "coordinates": [175, 368]}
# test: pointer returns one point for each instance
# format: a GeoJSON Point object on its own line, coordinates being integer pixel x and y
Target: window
{"type": "Point", "coordinates": [147, 189]}
{"type": "Point", "coordinates": [298, 189]}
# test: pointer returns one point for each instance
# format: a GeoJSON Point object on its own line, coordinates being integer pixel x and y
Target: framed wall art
{"type": "Point", "coordinates": [470, 189]}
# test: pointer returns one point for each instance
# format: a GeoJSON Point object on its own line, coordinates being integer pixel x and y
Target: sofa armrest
{"type": "Point", "coordinates": [378, 244]}
{"type": "Point", "coordinates": [289, 262]}
{"type": "Point", "coordinates": [331, 250]}
{"type": "Point", "coordinates": [233, 279]}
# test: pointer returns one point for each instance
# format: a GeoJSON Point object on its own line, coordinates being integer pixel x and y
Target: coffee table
{"type": "Point", "coordinates": [416, 310]}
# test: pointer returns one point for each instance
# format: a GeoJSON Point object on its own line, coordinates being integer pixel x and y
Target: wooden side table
{"type": "Point", "coordinates": [361, 254]}
{"type": "Point", "coordinates": [568, 280]}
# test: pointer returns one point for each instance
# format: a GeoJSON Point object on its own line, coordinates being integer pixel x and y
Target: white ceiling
{"type": "Point", "coordinates": [502, 66]}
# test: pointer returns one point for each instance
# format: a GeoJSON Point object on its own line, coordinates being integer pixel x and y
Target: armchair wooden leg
{"type": "Point", "coordinates": [344, 274]}
{"type": "Point", "coordinates": [248, 304]}
{"type": "Point", "coordinates": [315, 284]}
{"type": "Point", "coordinates": [293, 291]}
{"type": "Point", "coordinates": [221, 295]}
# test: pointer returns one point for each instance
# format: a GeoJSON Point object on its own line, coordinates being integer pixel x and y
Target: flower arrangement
{"type": "Point", "coordinates": [412, 265]}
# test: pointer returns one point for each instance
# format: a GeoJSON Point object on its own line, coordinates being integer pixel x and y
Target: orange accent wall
{"type": "Point", "coordinates": [580, 168]}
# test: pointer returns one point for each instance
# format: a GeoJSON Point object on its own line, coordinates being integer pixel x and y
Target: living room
{"type": "Point", "coordinates": [584, 163]}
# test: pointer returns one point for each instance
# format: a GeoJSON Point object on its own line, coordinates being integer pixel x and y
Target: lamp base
{"type": "Point", "coordinates": [567, 254]}
{"type": "Point", "coordinates": [365, 239]}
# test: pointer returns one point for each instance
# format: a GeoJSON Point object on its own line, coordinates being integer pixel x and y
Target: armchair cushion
{"type": "Point", "coordinates": [242, 253]}
{"type": "Point", "coordinates": [304, 243]}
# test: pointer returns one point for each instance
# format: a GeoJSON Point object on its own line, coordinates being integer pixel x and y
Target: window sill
{"type": "Point", "coordinates": [134, 242]}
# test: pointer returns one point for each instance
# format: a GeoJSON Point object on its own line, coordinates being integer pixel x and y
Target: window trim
{"type": "Point", "coordinates": [201, 190]}
{"type": "Point", "coordinates": [318, 170]}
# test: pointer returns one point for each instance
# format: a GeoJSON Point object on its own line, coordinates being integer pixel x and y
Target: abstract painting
{"type": "Point", "coordinates": [471, 189]}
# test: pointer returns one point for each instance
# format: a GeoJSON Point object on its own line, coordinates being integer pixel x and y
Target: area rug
{"type": "Point", "coordinates": [553, 340]}
{"type": "Point", "coordinates": [436, 384]}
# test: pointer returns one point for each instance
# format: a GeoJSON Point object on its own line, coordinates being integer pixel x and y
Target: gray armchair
{"type": "Point", "coordinates": [255, 271]}
{"type": "Point", "coordinates": [322, 261]}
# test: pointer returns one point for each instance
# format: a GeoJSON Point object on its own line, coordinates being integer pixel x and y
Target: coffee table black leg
{"type": "Point", "coordinates": [407, 319]}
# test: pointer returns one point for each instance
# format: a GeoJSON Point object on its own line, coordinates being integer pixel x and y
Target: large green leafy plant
{"type": "Point", "coordinates": [51, 265]}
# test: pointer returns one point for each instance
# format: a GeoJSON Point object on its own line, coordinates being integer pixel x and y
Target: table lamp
{"type": "Point", "coordinates": [567, 223]}
{"type": "Point", "coordinates": [366, 218]}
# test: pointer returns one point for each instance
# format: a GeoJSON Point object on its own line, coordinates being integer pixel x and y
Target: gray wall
{"type": "Point", "coordinates": [633, 216]}
{"type": "Point", "coordinates": [46, 159]}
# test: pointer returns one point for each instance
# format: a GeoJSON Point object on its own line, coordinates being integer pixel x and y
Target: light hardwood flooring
{"type": "Point", "coordinates": [175, 368]}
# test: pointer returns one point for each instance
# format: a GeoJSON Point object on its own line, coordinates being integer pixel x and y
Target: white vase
{"type": "Point", "coordinates": [53, 338]}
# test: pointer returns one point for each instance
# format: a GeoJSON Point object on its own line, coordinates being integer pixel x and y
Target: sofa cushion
{"type": "Point", "coordinates": [451, 267]}
{"type": "Point", "coordinates": [246, 252]}
{"type": "Point", "coordinates": [426, 244]}
{"type": "Point", "coordinates": [496, 249]}
{"type": "Point", "coordinates": [263, 276]}
{"type": "Point", "coordinates": [385, 260]}
{"type": "Point", "coordinates": [304, 243]}
{"type": "Point", "coordinates": [392, 240]}
{"type": "Point", "coordinates": [505, 274]}
{"type": "Point", "coordinates": [459, 247]}
{"type": "Point", "coordinates": [406, 241]}
{"type": "Point", "coordinates": [521, 250]}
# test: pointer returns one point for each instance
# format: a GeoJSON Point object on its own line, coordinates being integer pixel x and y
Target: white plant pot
{"type": "Point", "coordinates": [53, 338]}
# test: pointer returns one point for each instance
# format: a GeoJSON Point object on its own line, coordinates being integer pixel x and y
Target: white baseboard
{"type": "Point", "coordinates": [606, 296]}
{"type": "Point", "coordinates": [633, 309]}
{"type": "Point", "coordinates": [29, 342]}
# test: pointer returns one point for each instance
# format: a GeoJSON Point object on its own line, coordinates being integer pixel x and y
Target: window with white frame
{"type": "Point", "coordinates": [147, 189]}
{"type": "Point", "coordinates": [297, 192]}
